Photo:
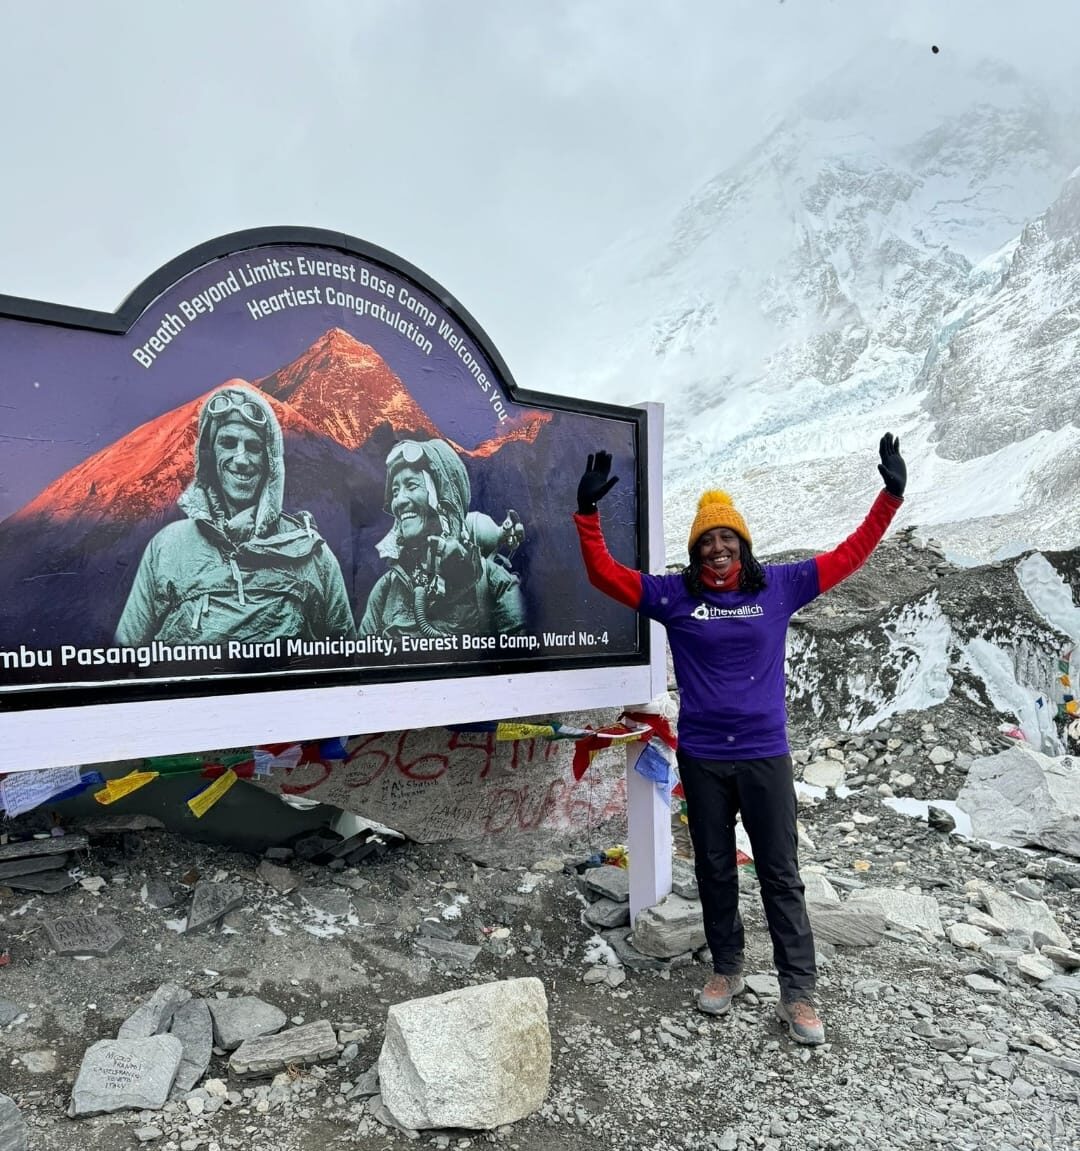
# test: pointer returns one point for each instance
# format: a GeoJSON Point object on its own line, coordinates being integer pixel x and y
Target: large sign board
{"type": "Point", "coordinates": [291, 483]}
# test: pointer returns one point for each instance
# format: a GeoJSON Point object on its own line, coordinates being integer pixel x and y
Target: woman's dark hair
{"type": "Point", "coordinates": [751, 573]}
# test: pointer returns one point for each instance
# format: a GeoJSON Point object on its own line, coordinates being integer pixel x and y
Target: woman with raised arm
{"type": "Point", "coordinates": [726, 617]}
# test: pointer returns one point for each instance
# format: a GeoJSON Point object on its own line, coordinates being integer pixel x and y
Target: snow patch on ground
{"type": "Point", "coordinates": [919, 809]}
{"type": "Point", "coordinates": [599, 951]}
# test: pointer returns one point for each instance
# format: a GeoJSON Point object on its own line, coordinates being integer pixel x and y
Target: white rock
{"type": "Point", "coordinates": [1035, 967]}
{"type": "Point", "coordinates": [966, 935]}
{"type": "Point", "coordinates": [763, 984]}
{"type": "Point", "coordinates": [988, 923]}
{"type": "Point", "coordinates": [824, 773]}
{"type": "Point", "coordinates": [979, 982]}
{"type": "Point", "coordinates": [941, 754]}
{"type": "Point", "coordinates": [818, 888]}
{"type": "Point", "coordinates": [477, 1057]}
{"type": "Point", "coordinates": [1024, 798]}
{"type": "Point", "coordinates": [1068, 959]}
{"type": "Point", "coordinates": [1027, 915]}
{"type": "Point", "coordinates": [903, 909]}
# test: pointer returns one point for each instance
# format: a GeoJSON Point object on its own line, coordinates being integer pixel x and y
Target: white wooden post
{"type": "Point", "coordinates": [648, 817]}
{"type": "Point", "coordinates": [648, 820]}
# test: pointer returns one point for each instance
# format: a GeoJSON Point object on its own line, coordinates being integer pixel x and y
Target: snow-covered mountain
{"type": "Point", "coordinates": [885, 259]}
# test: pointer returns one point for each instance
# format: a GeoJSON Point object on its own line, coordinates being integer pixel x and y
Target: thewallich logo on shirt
{"type": "Point", "coordinates": [708, 611]}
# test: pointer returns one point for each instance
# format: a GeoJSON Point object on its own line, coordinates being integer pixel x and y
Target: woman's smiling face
{"type": "Point", "coordinates": [719, 549]}
{"type": "Point", "coordinates": [409, 503]}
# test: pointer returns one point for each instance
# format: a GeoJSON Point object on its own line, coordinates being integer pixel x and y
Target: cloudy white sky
{"type": "Point", "coordinates": [496, 146]}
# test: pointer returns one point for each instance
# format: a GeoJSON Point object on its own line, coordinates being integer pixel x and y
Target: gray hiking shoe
{"type": "Point", "coordinates": [716, 996]}
{"type": "Point", "coordinates": [803, 1022]}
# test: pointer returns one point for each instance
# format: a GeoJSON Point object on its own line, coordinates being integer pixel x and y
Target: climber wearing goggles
{"type": "Point", "coordinates": [233, 400]}
{"type": "Point", "coordinates": [408, 451]}
{"type": "Point", "coordinates": [449, 566]}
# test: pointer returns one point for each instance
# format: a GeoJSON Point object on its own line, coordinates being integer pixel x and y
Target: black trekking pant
{"type": "Point", "coordinates": [764, 791]}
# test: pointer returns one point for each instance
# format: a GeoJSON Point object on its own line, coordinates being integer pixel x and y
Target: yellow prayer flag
{"type": "Point", "coordinates": [115, 789]}
{"type": "Point", "coordinates": [512, 731]}
{"type": "Point", "coordinates": [200, 804]}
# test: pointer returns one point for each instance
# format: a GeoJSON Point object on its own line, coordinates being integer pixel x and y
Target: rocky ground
{"type": "Point", "coordinates": [954, 1021]}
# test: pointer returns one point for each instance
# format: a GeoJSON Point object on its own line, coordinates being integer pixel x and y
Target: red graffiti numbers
{"type": "Point", "coordinates": [481, 743]}
{"type": "Point", "coordinates": [426, 766]}
{"type": "Point", "coordinates": [367, 760]}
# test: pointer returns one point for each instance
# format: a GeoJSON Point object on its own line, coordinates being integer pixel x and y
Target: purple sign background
{"type": "Point", "coordinates": [352, 354]}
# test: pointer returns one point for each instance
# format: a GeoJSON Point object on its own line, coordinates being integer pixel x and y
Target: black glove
{"type": "Point", "coordinates": [892, 467]}
{"type": "Point", "coordinates": [595, 483]}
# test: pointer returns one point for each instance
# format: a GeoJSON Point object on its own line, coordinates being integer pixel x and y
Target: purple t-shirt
{"type": "Point", "coordinates": [728, 650]}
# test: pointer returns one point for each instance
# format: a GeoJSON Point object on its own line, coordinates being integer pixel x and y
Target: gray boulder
{"type": "Point", "coordinates": [476, 1058]}
{"type": "Point", "coordinates": [611, 882]}
{"type": "Point", "coordinates": [155, 1015]}
{"type": "Point", "coordinates": [908, 910]}
{"type": "Point", "coordinates": [1024, 798]}
{"type": "Point", "coordinates": [243, 1017]}
{"type": "Point", "coordinates": [846, 924]}
{"type": "Point", "coordinates": [1027, 916]}
{"type": "Point", "coordinates": [117, 1074]}
{"type": "Point", "coordinates": [672, 926]}
{"type": "Point", "coordinates": [13, 1135]}
{"type": "Point", "coordinates": [605, 913]}
{"type": "Point", "coordinates": [817, 888]}
{"type": "Point", "coordinates": [298, 1046]}
{"type": "Point", "coordinates": [191, 1024]}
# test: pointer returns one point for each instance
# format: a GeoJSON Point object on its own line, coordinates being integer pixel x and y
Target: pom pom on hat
{"type": "Point", "coordinates": [716, 510]}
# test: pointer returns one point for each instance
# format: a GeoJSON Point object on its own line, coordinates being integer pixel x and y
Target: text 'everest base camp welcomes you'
{"type": "Point", "coordinates": [386, 293]}
{"type": "Point", "coordinates": [359, 370]}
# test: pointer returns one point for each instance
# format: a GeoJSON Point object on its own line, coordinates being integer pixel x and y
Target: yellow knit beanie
{"type": "Point", "coordinates": [715, 510]}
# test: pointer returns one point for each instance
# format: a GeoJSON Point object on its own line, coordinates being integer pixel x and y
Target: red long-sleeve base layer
{"type": "Point", "coordinates": [624, 584]}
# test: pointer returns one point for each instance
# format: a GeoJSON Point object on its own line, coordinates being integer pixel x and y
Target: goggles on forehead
{"type": "Point", "coordinates": [408, 452]}
{"type": "Point", "coordinates": [228, 402]}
